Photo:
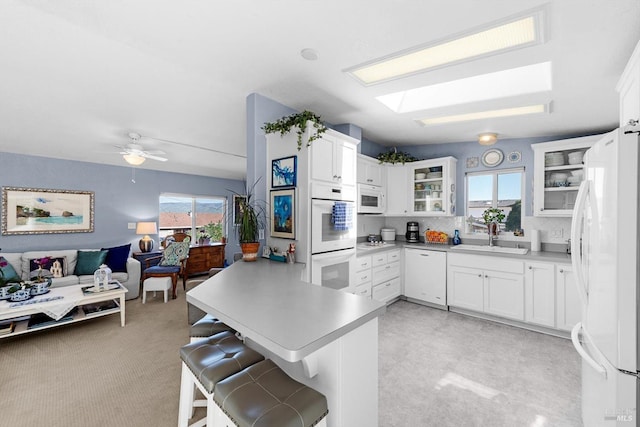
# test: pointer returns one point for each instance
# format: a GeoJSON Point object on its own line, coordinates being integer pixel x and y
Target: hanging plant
{"type": "Point", "coordinates": [298, 120]}
{"type": "Point", "coordinates": [394, 156]}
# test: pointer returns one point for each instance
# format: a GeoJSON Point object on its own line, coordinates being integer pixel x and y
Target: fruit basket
{"type": "Point", "coordinates": [436, 237]}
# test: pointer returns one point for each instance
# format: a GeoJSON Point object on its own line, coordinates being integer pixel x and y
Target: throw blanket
{"type": "Point", "coordinates": [342, 216]}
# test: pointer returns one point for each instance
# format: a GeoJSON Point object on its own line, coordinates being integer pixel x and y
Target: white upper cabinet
{"type": "Point", "coordinates": [370, 171]}
{"type": "Point", "coordinates": [557, 173]}
{"type": "Point", "coordinates": [432, 187]}
{"type": "Point", "coordinates": [397, 182]}
{"type": "Point", "coordinates": [333, 160]}
{"type": "Point", "coordinates": [629, 89]}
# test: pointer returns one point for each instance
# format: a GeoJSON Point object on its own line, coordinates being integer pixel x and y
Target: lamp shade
{"type": "Point", "coordinates": [146, 228]}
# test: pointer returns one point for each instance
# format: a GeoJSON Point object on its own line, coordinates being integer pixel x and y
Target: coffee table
{"type": "Point", "coordinates": [59, 302]}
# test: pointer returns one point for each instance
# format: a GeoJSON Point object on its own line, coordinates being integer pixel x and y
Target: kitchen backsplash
{"type": "Point", "coordinates": [552, 230]}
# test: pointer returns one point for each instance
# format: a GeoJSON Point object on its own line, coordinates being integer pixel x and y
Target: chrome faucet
{"type": "Point", "coordinates": [493, 225]}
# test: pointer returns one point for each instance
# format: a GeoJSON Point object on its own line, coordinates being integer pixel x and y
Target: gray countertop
{"type": "Point", "coordinates": [267, 302]}
{"type": "Point", "coordinates": [559, 257]}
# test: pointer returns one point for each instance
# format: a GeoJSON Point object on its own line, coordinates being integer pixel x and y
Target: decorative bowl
{"type": "Point", "coordinates": [421, 175]}
{"type": "Point", "coordinates": [39, 288]}
{"type": "Point", "coordinates": [4, 292]}
{"type": "Point", "coordinates": [20, 295]}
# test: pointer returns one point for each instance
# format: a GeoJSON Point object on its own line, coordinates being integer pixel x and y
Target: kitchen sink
{"type": "Point", "coordinates": [367, 246]}
{"type": "Point", "coordinates": [494, 249]}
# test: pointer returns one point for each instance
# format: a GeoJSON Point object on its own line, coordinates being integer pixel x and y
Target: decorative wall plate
{"type": "Point", "coordinates": [492, 157]}
{"type": "Point", "coordinates": [514, 156]}
{"type": "Point", "coordinates": [472, 162]}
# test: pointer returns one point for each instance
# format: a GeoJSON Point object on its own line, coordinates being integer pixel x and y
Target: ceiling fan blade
{"type": "Point", "coordinates": [152, 157]}
{"type": "Point", "coordinates": [154, 152]}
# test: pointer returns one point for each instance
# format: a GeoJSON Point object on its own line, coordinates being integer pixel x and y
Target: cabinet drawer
{"type": "Point", "coordinates": [363, 290]}
{"type": "Point", "coordinates": [494, 263]}
{"type": "Point", "coordinates": [363, 277]}
{"type": "Point", "coordinates": [393, 256]}
{"type": "Point", "coordinates": [379, 259]}
{"type": "Point", "coordinates": [363, 263]}
{"type": "Point", "coordinates": [386, 272]}
{"type": "Point", "coordinates": [387, 291]}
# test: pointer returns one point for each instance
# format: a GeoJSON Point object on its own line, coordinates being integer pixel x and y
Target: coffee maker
{"type": "Point", "coordinates": [413, 234]}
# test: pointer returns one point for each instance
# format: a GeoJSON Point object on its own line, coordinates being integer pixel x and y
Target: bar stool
{"type": "Point", "coordinates": [206, 362]}
{"type": "Point", "coordinates": [206, 327]}
{"type": "Point", "coordinates": [263, 395]}
{"type": "Point", "coordinates": [156, 284]}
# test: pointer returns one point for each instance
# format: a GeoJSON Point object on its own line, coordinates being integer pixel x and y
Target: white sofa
{"type": "Point", "coordinates": [20, 262]}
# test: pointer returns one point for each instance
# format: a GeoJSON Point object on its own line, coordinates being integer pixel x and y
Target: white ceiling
{"type": "Point", "coordinates": [78, 75]}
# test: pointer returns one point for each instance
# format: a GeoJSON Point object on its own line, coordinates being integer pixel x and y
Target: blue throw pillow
{"type": "Point", "coordinates": [117, 258]}
{"type": "Point", "coordinates": [89, 261]}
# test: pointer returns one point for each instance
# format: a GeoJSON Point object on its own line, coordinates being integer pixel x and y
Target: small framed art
{"type": "Point", "coordinates": [284, 172]}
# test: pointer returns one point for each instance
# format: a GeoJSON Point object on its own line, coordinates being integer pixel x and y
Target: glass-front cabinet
{"type": "Point", "coordinates": [432, 187]}
{"type": "Point", "coordinates": [558, 172]}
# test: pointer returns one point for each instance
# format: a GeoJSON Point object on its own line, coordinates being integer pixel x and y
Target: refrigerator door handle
{"type": "Point", "coordinates": [576, 249]}
{"type": "Point", "coordinates": [583, 353]}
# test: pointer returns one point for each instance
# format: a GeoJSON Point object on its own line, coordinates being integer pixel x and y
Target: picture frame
{"type": "Point", "coordinates": [284, 172]}
{"type": "Point", "coordinates": [237, 212]}
{"type": "Point", "coordinates": [46, 211]}
{"type": "Point", "coordinates": [283, 213]}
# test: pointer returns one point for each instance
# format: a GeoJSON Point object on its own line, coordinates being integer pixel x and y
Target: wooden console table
{"type": "Point", "coordinates": [204, 257]}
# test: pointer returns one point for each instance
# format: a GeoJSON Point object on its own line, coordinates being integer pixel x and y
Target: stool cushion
{"type": "Point", "coordinates": [157, 284]}
{"type": "Point", "coordinates": [217, 357]}
{"type": "Point", "coordinates": [208, 326]}
{"type": "Point", "coordinates": [263, 395]}
{"type": "Point", "coordinates": [157, 269]}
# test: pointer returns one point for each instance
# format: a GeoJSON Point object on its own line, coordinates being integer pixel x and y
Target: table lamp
{"type": "Point", "coordinates": [146, 228]}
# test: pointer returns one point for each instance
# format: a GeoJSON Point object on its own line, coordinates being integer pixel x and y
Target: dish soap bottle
{"type": "Point", "coordinates": [456, 237]}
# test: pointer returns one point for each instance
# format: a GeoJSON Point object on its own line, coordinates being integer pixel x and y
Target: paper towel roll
{"type": "Point", "coordinates": [535, 240]}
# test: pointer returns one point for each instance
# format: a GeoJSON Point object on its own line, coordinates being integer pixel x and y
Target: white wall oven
{"type": "Point", "coordinates": [370, 199]}
{"type": "Point", "coordinates": [333, 225]}
{"type": "Point", "coordinates": [335, 270]}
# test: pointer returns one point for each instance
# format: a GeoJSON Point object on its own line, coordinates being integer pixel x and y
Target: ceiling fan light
{"type": "Point", "coordinates": [133, 159]}
{"type": "Point", "coordinates": [487, 138]}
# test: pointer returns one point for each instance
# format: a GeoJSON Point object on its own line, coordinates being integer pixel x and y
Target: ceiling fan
{"type": "Point", "coordinates": [135, 154]}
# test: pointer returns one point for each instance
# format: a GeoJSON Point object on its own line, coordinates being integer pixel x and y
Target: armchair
{"type": "Point", "coordinates": [173, 263]}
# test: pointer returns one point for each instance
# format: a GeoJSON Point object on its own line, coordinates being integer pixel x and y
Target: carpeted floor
{"type": "Point", "coordinates": [436, 369]}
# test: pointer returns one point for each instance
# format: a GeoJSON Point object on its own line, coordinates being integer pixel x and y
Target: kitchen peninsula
{"type": "Point", "coordinates": [323, 338]}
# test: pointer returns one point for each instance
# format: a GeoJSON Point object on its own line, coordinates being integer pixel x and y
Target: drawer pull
{"type": "Point", "coordinates": [530, 267]}
{"type": "Point", "coordinates": [424, 254]}
{"type": "Point", "coordinates": [561, 270]}
{"type": "Point", "coordinates": [387, 285]}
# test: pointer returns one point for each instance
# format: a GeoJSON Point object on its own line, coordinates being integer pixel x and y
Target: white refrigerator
{"type": "Point", "coordinates": [604, 240]}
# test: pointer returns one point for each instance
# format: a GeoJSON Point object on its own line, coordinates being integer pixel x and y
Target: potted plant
{"type": "Point", "coordinates": [299, 120]}
{"type": "Point", "coordinates": [251, 221]}
{"type": "Point", "coordinates": [492, 217]}
{"type": "Point", "coordinates": [394, 156]}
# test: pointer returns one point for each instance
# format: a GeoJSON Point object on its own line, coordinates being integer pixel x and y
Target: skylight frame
{"type": "Point", "coordinates": [539, 17]}
{"type": "Point", "coordinates": [543, 108]}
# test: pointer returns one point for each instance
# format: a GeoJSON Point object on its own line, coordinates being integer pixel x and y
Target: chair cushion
{"type": "Point", "coordinates": [89, 261]}
{"type": "Point", "coordinates": [215, 358]}
{"type": "Point", "coordinates": [160, 269]}
{"type": "Point", "coordinates": [208, 326]}
{"type": "Point", "coordinates": [264, 395]}
{"type": "Point", "coordinates": [175, 253]}
{"type": "Point", "coordinates": [8, 272]}
{"type": "Point", "coordinates": [117, 257]}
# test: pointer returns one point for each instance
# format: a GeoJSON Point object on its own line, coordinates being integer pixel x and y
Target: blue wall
{"type": "Point", "coordinates": [118, 201]}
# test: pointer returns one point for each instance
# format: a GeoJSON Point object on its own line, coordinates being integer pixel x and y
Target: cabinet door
{"type": "Point", "coordinates": [387, 291]}
{"type": "Point", "coordinates": [322, 160]}
{"type": "Point", "coordinates": [396, 190]}
{"type": "Point", "coordinates": [370, 171]}
{"type": "Point", "coordinates": [425, 276]}
{"type": "Point", "coordinates": [504, 294]}
{"type": "Point", "coordinates": [345, 163]}
{"type": "Point", "coordinates": [540, 293]}
{"type": "Point", "coordinates": [629, 89]}
{"type": "Point", "coordinates": [569, 310]}
{"type": "Point", "coordinates": [464, 288]}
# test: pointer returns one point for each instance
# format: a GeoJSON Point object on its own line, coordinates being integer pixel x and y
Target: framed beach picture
{"type": "Point", "coordinates": [284, 172]}
{"type": "Point", "coordinates": [237, 212]}
{"type": "Point", "coordinates": [283, 207]}
{"type": "Point", "coordinates": [42, 211]}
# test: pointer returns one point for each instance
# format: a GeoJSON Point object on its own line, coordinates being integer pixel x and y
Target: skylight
{"type": "Point", "coordinates": [501, 84]}
{"type": "Point", "coordinates": [514, 33]}
{"type": "Point", "coordinates": [489, 114]}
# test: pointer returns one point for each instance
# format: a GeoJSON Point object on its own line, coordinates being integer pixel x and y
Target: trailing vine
{"type": "Point", "coordinates": [394, 156]}
{"type": "Point", "coordinates": [299, 120]}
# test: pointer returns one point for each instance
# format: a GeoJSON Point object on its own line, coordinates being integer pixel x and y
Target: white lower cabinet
{"type": "Point", "coordinates": [569, 309]}
{"type": "Point", "coordinates": [540, 293]}
{"type": "Point", "coordinates": [465, 287]}
{"type": "Point", "coordinates": [363, 277]}
{"type": "Point", "coordinates": [387, 291]}
{"type": "Point", "coordinates": [385, 275]}
{"type": "Point", "coordinates": [425, 275]}
{"type": "Point", "coordinates": [504, 294]}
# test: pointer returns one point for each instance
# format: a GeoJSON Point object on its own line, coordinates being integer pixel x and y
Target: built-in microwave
{"type": "Point", "coordinates": [370, 199]}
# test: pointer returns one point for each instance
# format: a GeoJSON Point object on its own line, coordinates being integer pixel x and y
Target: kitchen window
{"type": "Point", "coordinates": [198, 216]}
{"type": "Point", "coordinates": [502, 189]}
